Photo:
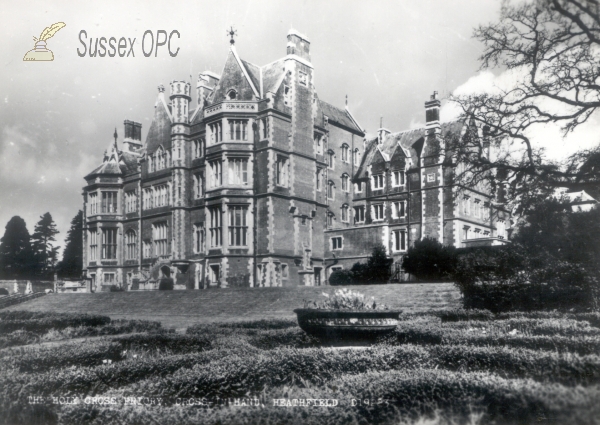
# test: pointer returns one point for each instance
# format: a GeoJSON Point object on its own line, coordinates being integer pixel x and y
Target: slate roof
{"type": "Point", "coordinates": [334, 113]}
{"type": "Point", "coordinates": [253, 72]}
{"type": "Point", "coordinates": [128, 164]}
{"type": "Point", "coordinates": [411, 140]}
{"type": "Point", "coordinates": [271, 75]}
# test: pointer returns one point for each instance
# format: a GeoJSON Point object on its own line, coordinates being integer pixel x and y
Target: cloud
{"type": "Point", "coordinates": [550, 137]}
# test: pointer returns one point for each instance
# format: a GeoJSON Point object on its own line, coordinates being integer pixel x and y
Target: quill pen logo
{"type": "Point", "coordinates": [40, 52]}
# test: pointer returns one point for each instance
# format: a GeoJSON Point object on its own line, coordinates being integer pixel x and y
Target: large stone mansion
{"type": "Point", "coordinates": [261, 183]}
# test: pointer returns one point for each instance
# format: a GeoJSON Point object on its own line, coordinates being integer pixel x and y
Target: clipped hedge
{"type": "Point", "coordinates": [44, 324]}
{"type": "Point", "coordinates": [62, 356]}
{"type": "Point", "coordinates": [426, 396]}
{"type": "Point", "coordinates": [174, 343]}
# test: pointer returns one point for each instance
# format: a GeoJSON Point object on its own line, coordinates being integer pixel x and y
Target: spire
{"type": "Point", "coordinates": [231, 33]}
{"type": "Point", "coordinates": [115, 136]}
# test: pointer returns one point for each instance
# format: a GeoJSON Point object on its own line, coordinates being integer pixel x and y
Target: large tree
{"type": "Point", "coordinates": [72, 262]}
{"type": "Point", "coordinates": [42, 239]}
{"type": "Point", "coordinates": [17, 259]}
{"type": "Point", "coordinates": [552, 50]}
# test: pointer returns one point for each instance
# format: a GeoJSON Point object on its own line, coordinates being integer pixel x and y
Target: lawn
{"type": "Point", "coordinates": [439, 367]}
{"type": "Point", "coordinates": [180, 308]}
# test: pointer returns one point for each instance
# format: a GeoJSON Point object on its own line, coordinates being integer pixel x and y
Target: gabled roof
{"type": "Point", "coordinates": [117, 163]}
{"type": "Point", "coordinates": [159, 133]}
{"type": "Point", "coordinates": [272, 76]}
{"type": "Point", "coordinates": [410, 141]}
{"type": "Point", "coordinates": [335, 114]}
{"type": "Point", "coordinates": [253, 72]}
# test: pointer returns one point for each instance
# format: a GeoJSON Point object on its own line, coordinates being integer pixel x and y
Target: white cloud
{"type": "Point", "coordinates": [549, 136]}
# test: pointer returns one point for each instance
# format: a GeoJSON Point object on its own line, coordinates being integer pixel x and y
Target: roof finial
{"type": "Point", "coordinates": [231, 33]}
{"type": "Point", "coordinates": [434, 95]}
{"type": "Point", "coordinates": [115, 135]}
{"type": "Point", "coordinates": [381, 122]}
{"type": "Point", "coordinates": [346, 101]}
{"type": "Point", "coordinates": [161, 88]}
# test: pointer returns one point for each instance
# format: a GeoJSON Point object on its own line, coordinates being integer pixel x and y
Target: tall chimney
{"type": "Point", "coordinates": [432, 114]}
{"type": "Point", "coordinates": [298, 44]}
{"type": "Point", "coordinates": [133, 136]}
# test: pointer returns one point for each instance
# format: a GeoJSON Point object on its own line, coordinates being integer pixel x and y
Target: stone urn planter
{"type": "Point", "coordinates": [346, 315]}
{"type": "Point", "coordinates": [347, 325]}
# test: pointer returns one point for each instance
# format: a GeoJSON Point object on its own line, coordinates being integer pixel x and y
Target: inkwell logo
{"type": "Point", "coordinates": [40, 52]}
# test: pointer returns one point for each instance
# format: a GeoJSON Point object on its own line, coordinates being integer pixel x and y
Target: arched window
{"type": "Point", "coordinates": [198, 148]}
{"type": "Point", "coordinates": [345, 182]}
{"type": "Point", "coordinates": [199, 238]}
{"type": "Point", "coordinates": [345, 152]}
{"type": "Point", "coordinates": [198, 185]}
{"type": "Point", "coordinates": [232, 94]}
{"type": "Point", "coordinates": [330, 190]}
{"type": "Point", "coordinates": [330, 217]}
{"type": "Point", "coordinates": [356, 157]}
{"type": "Point", "coordinates": [131, 244]}
{"type": "Point", "coordinates": [345, 214]}
{"type": "Point", "coordinates": [330, 159]}
{"type": "Point", "coordinates": [160, 157]}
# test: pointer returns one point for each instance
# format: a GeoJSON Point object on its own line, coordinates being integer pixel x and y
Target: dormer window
{"type": "Point", "coordinates": [232, 94]}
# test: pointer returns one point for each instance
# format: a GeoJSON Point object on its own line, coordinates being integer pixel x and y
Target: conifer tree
{"type": "Point", "coordinates": [72, 262]}
{"type": "Point", "coordinates": [42, 239]}
{"type": "Point", "coordinates": [17, 259]}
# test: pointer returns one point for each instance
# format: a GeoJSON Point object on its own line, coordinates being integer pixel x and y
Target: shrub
{"type": "Point", "coordinates": [115, 288]}
{"type": "Point", "coordinates": [174, 343]}
{"type": "Point", "coordinates": [18, 338]}
{"type": "Point", "coordinates": [45, 324]}
{"type": "Point", "coordinates": [517, 279]}
{"type": "Point", "coordinates": [3, 291]}
{"type": "Point", "coordinates": [375, 271]}
{"type": "Point", "coordinates": [341, 278]}
{"type": "Point", "coordinates": [465, 315]}
{"type": "Point", "coordinates": [429, 260]}
{"type": "Point", "coordinates": [68, 355]}
{"type": "Point", "coordinates": [166, 284]}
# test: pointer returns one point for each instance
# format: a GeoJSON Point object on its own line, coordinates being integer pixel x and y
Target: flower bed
{"type": "Point", "coordinates": [346, 316]}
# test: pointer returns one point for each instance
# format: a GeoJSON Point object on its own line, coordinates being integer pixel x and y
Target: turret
{"type": "Point", "coordinates": [180, 100]}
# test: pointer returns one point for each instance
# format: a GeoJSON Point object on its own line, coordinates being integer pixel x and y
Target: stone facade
{"type": "Point", "coordinates": [258, 184]}
{"type": "Point", "coordinates": [221, 193]}
{"type": "Point", "coordinates": [405, 189]}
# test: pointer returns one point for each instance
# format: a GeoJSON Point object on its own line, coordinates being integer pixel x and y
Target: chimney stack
{"type": "Point", "coordinates": [133, 136]}
{"type": "Point", "coordinates": [298, 44]}
{"type": "Point", "coordinates": [432, 114]}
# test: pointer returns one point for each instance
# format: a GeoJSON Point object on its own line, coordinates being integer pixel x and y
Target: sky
{"type": "Point", "coordinates": [58, 117]}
